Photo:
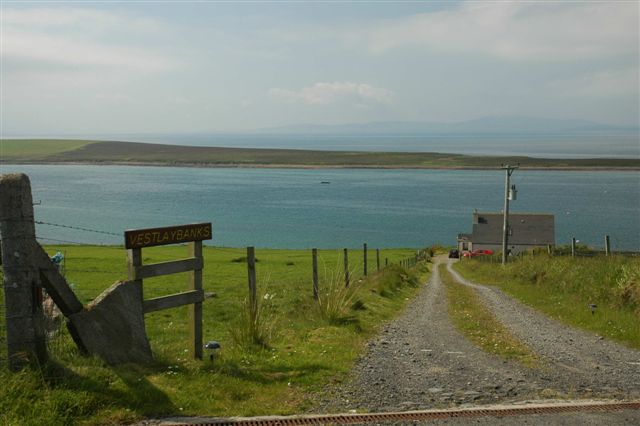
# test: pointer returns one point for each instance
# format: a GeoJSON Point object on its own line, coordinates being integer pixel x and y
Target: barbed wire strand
{"type": "Point", "coordinates": [63, 241]}
{"type": "Point", "coordinates": [79, 228]}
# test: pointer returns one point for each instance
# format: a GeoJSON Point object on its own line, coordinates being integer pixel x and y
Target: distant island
{"type": "Point", "coordinates": [48, 151]}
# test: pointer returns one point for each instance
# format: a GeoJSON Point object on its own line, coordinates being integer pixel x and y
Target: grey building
{"type": "Point", "coordinates": [526, 231]}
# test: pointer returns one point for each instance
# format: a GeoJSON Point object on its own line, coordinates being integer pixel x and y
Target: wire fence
{"type": "Point", "coordinates": [78, 270]}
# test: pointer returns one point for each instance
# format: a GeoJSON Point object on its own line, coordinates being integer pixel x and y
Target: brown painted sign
{"type": "Point", "coordinates": [138, 238]}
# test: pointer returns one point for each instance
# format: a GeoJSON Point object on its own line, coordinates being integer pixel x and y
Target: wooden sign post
{"type": "Point", "coordinates": [194, 234]}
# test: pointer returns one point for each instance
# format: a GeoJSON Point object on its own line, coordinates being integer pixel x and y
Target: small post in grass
{"type": "Point", "coordinates": [346, 268]}
{"type": "Point", "coordinates": [378, 259]}
{"type": "Point", "coordinates": [607, 246]}
{"type": "Point", "coordinates": [573, 247]}
{"type": "Point", "coordinates": [253, 293]}
{"type": "Point", "coordinates": [314, 255]}
{"type": "Point", "coordinates": [386, 262]}
{"type": "Point", "coordinates": [365, 259]}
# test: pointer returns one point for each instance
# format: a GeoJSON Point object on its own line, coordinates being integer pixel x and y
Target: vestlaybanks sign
{"type": "Point", "coordinates": [138, 238]}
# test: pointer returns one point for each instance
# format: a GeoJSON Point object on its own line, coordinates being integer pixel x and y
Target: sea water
{"type": "Point", "coordinates": [324, 208]}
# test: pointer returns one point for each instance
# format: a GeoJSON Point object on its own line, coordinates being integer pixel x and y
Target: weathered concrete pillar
{"type": "Point", "coordinates": [22, 290]}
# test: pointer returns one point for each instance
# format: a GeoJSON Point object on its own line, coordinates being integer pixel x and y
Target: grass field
{"type": "Point", "coordinates": [307, 349]}
{"type": "Point", "coordinates": [141, 153]}
{"type": "Point", "coordinates": [477, 323]}
{"type": "Point", "coordinates": [564, 288]}
{"type": "Point", "coordinates": [36, 149]}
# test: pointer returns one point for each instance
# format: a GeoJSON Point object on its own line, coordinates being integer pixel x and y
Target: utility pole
{"type": "Point", "coordinates": [505, 222]}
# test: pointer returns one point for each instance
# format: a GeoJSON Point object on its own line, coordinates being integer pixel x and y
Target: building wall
{"type": "Point", "coordinates": [514, 248]}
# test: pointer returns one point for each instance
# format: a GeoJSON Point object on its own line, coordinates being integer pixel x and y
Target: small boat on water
{"type": "Point", "coordinates": [325, 182]}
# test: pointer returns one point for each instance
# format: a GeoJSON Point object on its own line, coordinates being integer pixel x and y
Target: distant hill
{"type": "Point", "coordinates": [112, 152]}
{"type": "Point", "coordinates": [515, 125]}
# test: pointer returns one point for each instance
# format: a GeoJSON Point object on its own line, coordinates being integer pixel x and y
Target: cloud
{"type": "Point", "coordinates": [90, 21]}
{"type": "Point", "coordinates": [323, 93]}
{"type": "Point", "coordinates": [517, 31]}
{"type": "Point", "coordinates": [40, 38]}
{"type": "Point", "coordinates": [611, 83]}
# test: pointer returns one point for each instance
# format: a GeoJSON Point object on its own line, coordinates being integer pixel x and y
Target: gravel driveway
{"type": "Point", "coordinates": [421, 361]}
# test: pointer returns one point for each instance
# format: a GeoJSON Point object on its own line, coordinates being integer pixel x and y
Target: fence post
{"type": "Point", "coordinates": [314, 256]}
{"type": "Point", "coordinates": [195, 309]}
{"type": "Point", "coordinates": [365, 259]}
{"type": "Point", "coordinates": [253, 294]}
{"type": "Point", "coordinates": [22, 291]}
{"type": "Point", "coordinates": [346, 268]}
{"type": "Point", "coordinates": [607, 246]}
{"type": "Point", "coordinates": [573, 247]}
{"type": "Point", "coordinates": [378, 259]}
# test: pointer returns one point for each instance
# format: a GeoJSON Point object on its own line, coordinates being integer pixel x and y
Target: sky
{"type": "Point", "coordinates": [184, 66]}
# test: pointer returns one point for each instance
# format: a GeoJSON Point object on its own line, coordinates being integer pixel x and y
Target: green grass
{"type": "Point", "coordinates": [141, 153]}
{"type": "Point", "coordinates": [563, 288]}
{"type": "Point", "coordinates": [472, 318]}
{"type": "Point", "coordinates": [306, 353]}
{"type": "Point", "coordinates": [36, 149]}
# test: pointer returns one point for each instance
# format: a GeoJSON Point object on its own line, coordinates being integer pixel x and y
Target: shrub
{"type": "Point", "coordinates": [254, 331]}
{"type": "Point", "coordinates": [335, 299]}
{"type": "Point", "coordinates": [627, 290]}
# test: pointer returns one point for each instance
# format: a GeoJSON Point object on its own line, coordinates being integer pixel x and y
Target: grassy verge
{"type": "Point", "coordinates": [563, 288]}
{"type": "Point", "coordinates": [302, 349]}
{"type": "Point", "coordinates": [476, 322]}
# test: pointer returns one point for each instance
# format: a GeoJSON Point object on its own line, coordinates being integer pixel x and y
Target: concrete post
{"type": "Point", "coordinates": [23, 293]}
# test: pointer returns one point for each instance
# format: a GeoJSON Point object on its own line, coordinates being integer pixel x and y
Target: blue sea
{"type": "Point", "coordinates": [290, 208]}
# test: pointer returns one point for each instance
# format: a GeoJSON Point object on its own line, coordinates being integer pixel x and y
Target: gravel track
{"type": "Point", "coordinates": [421, 361]}
{"type": "Point", "coordinates": [586, 361]}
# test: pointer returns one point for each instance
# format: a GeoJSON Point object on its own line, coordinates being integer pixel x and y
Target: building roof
{"type": "Point", "coordinates": [526, 228]}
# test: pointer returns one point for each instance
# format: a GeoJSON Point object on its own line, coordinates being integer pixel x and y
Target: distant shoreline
{"type": "Point", "coordinates": [113, 153]}
{"type": "Point", "coordinates": [305, 166]}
